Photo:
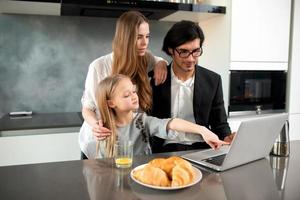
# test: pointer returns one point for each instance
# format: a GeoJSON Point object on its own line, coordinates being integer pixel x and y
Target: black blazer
{"type": "Point", "coordinates": [208, 103]}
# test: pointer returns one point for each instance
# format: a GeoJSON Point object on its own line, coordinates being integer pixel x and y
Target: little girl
{"type": "Point", "coordinates": [118, 102]}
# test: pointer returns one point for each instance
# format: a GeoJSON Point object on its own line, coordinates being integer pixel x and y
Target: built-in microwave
{"type": "Point", "coordinates": [257, 90]}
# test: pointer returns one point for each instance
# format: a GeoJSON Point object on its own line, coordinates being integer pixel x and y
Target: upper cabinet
{"type": "Point", "coordinates": [33, 7]}
{"type": "Point", "coordinates": [260, 32]}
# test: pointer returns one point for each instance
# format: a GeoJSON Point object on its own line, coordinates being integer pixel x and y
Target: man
{"type": "Point", "coordinates": [190, 91]}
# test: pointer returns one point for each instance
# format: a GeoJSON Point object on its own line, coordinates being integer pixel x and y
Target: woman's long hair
{"type": "Point", "coordinates": [104, 92]}
{"type": "Point", "coordinates": [126, 59]}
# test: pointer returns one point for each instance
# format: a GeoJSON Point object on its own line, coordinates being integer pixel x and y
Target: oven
{"type": "Point", "coordinates": [256, 90]}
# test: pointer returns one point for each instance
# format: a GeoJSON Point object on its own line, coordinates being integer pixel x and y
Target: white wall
{"type": "Point", "coordinates": [293, 98]}
{"type": "Point", "coordinates": [294, 67]}
{"type": "Point", "coordinates": [216, 2]}
{"type": "Point", "coordinates": [216, 47]}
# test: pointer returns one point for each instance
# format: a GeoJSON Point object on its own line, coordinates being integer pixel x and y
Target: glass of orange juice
{"type": "Point", "coordinates": [123, 154]}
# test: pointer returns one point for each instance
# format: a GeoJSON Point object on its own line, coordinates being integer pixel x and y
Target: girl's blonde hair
{"type": "Point", "coordinates": [104, 92]}
{"type": "Point", "coordinates": [126, 60]}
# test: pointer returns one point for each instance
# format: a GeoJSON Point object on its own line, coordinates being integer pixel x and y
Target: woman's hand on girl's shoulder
{"type": "Point", "coordinates": [99, 131]}
{"type": "Point", "coordinates": [160, 72]}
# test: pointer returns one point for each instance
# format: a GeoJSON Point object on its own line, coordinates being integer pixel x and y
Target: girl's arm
{"type": "Point", "coordinates": [209, 137]}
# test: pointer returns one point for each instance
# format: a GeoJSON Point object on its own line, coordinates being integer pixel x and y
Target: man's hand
{"type": "Point", "coordinates": [230, 137]}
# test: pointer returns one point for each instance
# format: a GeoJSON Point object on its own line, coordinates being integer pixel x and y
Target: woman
{"type": "Point", "coordinates": [129, 57]}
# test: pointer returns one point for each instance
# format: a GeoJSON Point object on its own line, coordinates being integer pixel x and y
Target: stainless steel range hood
{"type": "Point", "coordinates": [152, 9]}
{"type": "Point", "coordinates": [164, 10]}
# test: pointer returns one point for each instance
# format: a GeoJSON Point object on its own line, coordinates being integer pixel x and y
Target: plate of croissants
{"type": "Point", "coordinates": [166, 174]}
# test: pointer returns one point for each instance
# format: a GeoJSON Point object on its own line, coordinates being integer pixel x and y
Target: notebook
{"type": "Point", "coordinates": [254, 140]}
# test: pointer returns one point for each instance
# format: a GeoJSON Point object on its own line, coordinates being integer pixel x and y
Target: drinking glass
{"type": "Point", "coordinates": [123, 154]}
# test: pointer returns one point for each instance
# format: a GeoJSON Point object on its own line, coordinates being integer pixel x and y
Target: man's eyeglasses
{"type": "Point", "coordinates": [183, 53]}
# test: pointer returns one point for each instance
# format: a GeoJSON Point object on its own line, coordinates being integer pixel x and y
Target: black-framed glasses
{"type": "Point", "coordinates": [183, 53]}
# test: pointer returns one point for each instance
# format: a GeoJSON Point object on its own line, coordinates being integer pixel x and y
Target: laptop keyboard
{"type": "Point", "coordinates": [216, 160]}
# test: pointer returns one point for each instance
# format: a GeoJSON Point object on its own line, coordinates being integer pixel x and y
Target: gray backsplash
{"type": "Point", "coordinates": [44, 59]}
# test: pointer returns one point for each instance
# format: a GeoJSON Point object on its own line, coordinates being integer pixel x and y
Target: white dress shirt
{"type": "Point", "coordinates": [182, 106]}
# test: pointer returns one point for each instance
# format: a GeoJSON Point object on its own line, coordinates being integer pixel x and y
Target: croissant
{"type": "Point", "coordinates": [182, 174]}
{"type": "Point", "coordinates": [173, 171]}
{"type": "Point", "coordinates": [166, 164]}
{"type": "Point", "coordinates": [163, 164]}
{"type": "Point", "coordinates": [152, 175]}
{"type": "Point", "coordinates": [185, 164]}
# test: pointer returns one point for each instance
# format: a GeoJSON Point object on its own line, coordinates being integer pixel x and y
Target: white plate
{"type": "Point", "coordinates": [196, 180]}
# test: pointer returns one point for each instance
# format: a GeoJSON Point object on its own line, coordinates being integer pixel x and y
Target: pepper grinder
{"type": "Point", "coordinates": [281, 146]}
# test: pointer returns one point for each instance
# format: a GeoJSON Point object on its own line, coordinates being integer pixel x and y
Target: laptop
{"type": "Point", "coordinates": [253, 140]}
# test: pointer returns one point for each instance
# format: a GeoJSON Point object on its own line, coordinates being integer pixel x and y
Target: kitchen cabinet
{"type": "Point", "coordinates": [38, 138]}
{"type": "Point", "coordinates": [294, 129]}
{"type": "Point", "coordinates": [30, 7]}
{"type": "Point", "coordinates": [260, 32]}
{"type": "Point", "coordinates": [39, 148]}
